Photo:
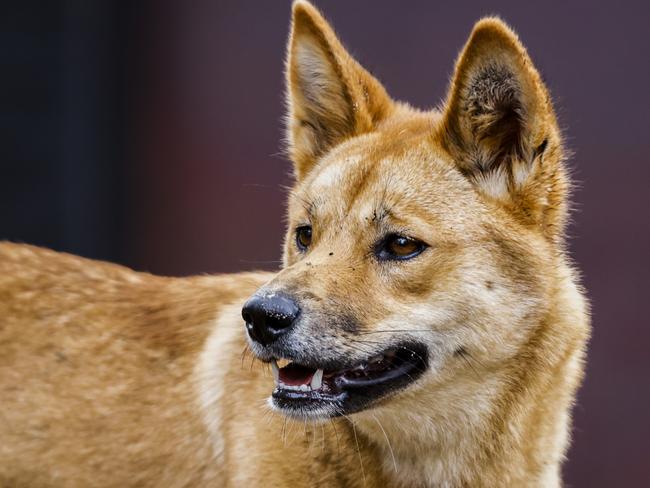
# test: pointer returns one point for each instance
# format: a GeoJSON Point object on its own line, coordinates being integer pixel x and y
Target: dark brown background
{"type": "Point", "coordinates": [149, 133]}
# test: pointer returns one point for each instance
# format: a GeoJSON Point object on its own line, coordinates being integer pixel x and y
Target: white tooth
{"type": "Point", "coordinates": [275, 370]}
{"type": "Point", "coordinates": [317, 379]}
{"type": "Point", "coordinates": [304, 388]}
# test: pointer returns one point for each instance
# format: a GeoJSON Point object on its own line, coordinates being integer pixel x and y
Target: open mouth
{"type": "Point", "coordinates": [311, 391]}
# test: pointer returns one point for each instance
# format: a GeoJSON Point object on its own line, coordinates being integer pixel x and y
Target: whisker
{"type": "Point", "coordinates": [284, 432]}
{"type": "Point", "coordinates": [364, 351]}
{"type": "Point", "coordinates": [356, 440]}
{"type": "Point", "coordinates": [475, 360]}
{"type": "Point", "coordinates": [393, 331]}
{"type": "Point", "coordinates": [368, 342]}
{"type": "Point", "coordinates": [313, 438]}
{"type": "Point", "coordinates": [322, 445]}
{"type": "Point", "coordinates": [291, 431]}
{"type": "Point", "coordinates": [467, 361]}
{"type": "Point", "coordinates": [390, 448]}
{"type": "Point", "coordinates": [336, 433]}
{"type": "Point", "coordinates": [243, 355]}
{"type": "Point", "coordinates": [462, 353]}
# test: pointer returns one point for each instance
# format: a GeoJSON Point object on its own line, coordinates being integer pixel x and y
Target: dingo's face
{"type": "Point", "coordinates": [416, 242]}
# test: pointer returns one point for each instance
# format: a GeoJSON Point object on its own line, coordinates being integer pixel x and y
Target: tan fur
{"type": "Point", "coordinates": [110, 377]}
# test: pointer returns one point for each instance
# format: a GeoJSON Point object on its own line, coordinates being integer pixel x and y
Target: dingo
{"type": "Point", "coordinates": [426, 329]}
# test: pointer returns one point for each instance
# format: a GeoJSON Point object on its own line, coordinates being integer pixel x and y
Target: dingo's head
{"type": "Point", "coordinates": [418, 242]}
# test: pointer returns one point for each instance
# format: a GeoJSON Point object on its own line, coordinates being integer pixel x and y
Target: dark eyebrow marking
{"type": "Point", "coordinates": [380, 213]}
{"type": "Point", "coordinates": [309, 205]}
{"type": "Point", "coordinates": [382, 208]}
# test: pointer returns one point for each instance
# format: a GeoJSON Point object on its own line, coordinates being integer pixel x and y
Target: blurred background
{"type": "Point", "coordinates": [149, 133]}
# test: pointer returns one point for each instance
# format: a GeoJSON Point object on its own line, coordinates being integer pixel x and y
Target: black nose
{"type": "Point", "coordinates": [268, 317]}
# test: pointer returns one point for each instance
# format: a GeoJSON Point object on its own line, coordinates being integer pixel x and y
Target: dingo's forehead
{"type": "Point", "coordinates": [377, 176]}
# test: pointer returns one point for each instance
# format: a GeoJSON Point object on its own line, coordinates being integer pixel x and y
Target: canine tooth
{"type": "Point", "coordinates": [275, 370]}
{"type": "Point", "coordinates": [317, 379]}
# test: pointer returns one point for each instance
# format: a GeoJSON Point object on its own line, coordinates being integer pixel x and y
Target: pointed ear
{"type": "Point", "coordinates": [330, 96]}
{"type": "Point", "coordinates": [498, 121]}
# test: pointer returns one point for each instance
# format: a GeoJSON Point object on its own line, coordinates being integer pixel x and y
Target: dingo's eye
{"type": "Point", "coordinates": [399, 247]}
{"type": "Point", "coordinates": [303, 237]}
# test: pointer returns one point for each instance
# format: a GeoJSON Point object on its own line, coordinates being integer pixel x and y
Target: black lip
{"type": "Point", "coordinates": [348, 394]}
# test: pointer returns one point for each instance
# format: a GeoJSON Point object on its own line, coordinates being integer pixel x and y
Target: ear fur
{"type": "Point", "coordinates": [330, 96]}
{"type": "Point", "coordinates": [500, 127]}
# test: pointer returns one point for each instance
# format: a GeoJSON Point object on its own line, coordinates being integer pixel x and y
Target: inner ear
{"type": "Point", "coordinates": [496, 117]}
{"type": "Point", "coordinates": [330, 96]}
{"type": "Point", "coordinates": [498, 113]}
{"type": "Point", "coordinates": [321, 98]}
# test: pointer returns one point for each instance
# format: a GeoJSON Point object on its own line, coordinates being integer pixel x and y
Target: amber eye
{"type": "Point", "coordinates": [399, 247]}
{"type": "Point", "coordinates": [303, 237]}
